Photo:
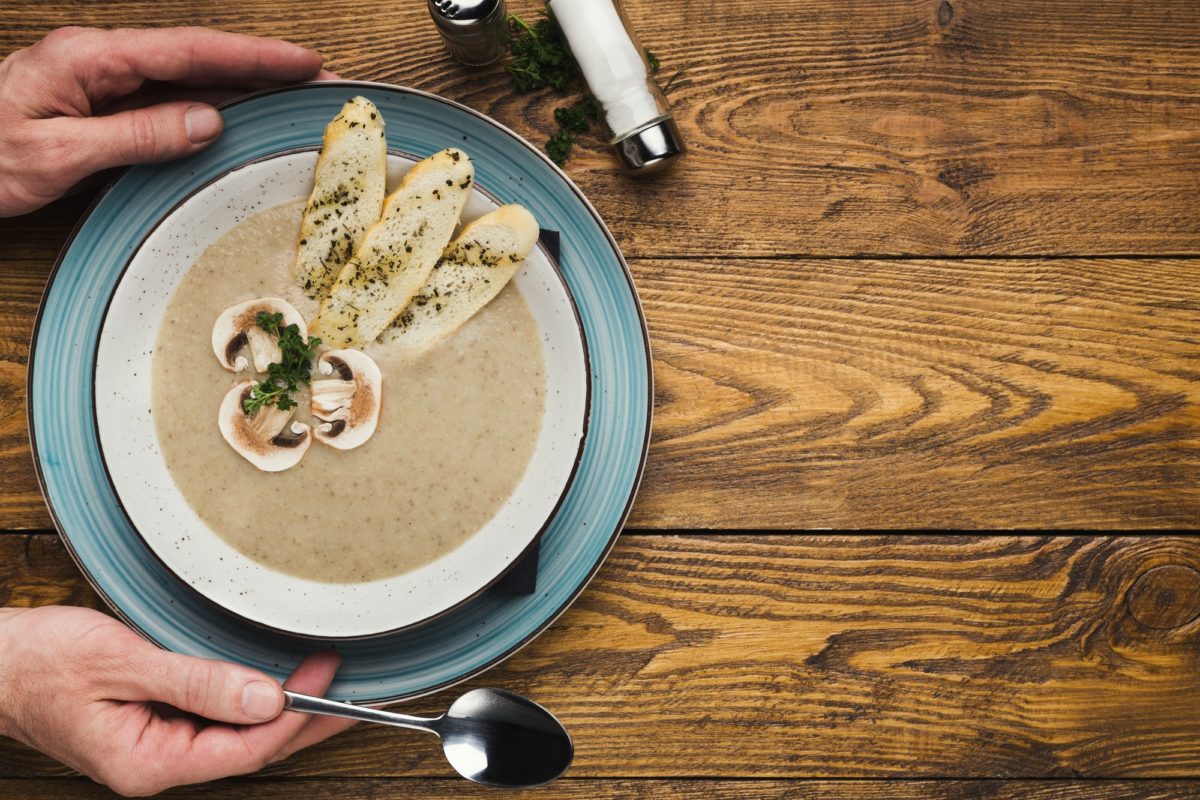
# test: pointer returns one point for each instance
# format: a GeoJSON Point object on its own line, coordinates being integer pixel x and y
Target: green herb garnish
{"type": "Point", "coordinates": [652, 60]}
{"type": "Point", "coordinates": [578, 118]}
{"type": "Point", "coordinates": [283, 378]}
{"type": "Point", "coordinates": [572, 121]}
{"type": "Point", "coordinates": [541, 59]}
{"type": "Point", "coordinates": [558, 146]}
{"type": "Point", "coordinates": [675, 82]}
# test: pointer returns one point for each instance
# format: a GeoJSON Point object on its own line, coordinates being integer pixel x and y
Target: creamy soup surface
{"type": "Point", "coordinates": [456, 431]}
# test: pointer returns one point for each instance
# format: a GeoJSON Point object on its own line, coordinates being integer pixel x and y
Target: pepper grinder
{"type": "Point", "coordinates": [644, 134]}
{"type": "Point", "coordinates": [475, 31]}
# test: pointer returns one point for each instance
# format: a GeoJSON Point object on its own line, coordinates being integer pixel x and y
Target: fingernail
{"type": "Point", "coordinates": [202, 124]}
{"type": "Point", "coordinates": [260, 700]}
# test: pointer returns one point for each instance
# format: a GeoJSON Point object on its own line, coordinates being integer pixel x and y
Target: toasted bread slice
{"type": "Point", "coordinates": [347, 195]}
{"type": "Point", "coordinates": [472, 271]}
{"type": "Point", "coordinates": [398, 252]}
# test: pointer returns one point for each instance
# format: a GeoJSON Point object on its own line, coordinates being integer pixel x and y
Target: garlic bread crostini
{"type": "Point", "coordinates": [398, 252]}
{"type": "Point", "coordinates": [347, 195]}
{"type": "Point", "coordinates": [471, 272]}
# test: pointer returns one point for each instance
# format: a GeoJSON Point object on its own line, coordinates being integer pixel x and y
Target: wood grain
{"type": "Point", "coordinates": [21, 282]}
{"type": "Point", "coordinates": [825, 656]}
{"type": "Point", "coordinates": [569, 789]}
{"type": "Point", "coordinates": [906, 127]}
{"type": "Point", "coordinates": [801, 393]}
{"type": "Point", "coordinates": [812, 373]}
{"type": "Point", "coordinates": [982, 393]}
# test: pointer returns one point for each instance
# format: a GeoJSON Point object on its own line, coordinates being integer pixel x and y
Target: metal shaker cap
{"type": "Point", "coordinates": [651, 148]}
{"type": "Point", "coordinates": [475, 31]}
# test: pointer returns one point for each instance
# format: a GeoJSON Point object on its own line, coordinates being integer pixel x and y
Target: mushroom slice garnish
{"type": "Point", "coordinates": [346, 407]}
{"type": "Point", "coordinates": [237, 327]}
{"type": "Point", "coordinates": [265, 439]}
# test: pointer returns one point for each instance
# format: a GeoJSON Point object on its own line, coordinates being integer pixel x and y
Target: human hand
{"type": "Point", "coordinates": [85, 689]}
{"type": "Point", "coordinates": [75, 103]}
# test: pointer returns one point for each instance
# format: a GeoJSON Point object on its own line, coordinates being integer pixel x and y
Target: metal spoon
{"type": "Point", "coordinates": [490, 736]}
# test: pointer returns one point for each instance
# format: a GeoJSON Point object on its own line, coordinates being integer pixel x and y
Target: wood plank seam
{"type": "Point", "coordinates": [827, 656]}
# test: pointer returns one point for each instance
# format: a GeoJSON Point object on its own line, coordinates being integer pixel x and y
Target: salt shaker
{"type": "Point", "coordinates": [475, 31]}
{"type": "Point", "coordinates": [644, 134]}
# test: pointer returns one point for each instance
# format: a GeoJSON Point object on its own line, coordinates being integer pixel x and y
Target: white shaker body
{"type": "Point", "coordinates": [612, 64]}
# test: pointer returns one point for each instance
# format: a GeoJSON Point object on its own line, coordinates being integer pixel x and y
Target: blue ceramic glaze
{"type": "Point", "coordinates": [475, 636]}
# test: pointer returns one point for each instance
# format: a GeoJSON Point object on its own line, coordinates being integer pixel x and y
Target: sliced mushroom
{"type": "Point", "coordinates": [265, 439]}
{"type": "Point", "coordinates": [346, 407]}
{"type": "Point", "coordinates": [237, 327]}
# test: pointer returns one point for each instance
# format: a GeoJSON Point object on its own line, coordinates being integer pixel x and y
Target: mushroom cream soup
{"type": "Point", "coordinates": [456, 430]}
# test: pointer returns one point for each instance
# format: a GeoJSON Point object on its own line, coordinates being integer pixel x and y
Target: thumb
{"type": "Point", "coordinates": [140, 135]}
{"type": "Point", "coordinates": [216, 690]}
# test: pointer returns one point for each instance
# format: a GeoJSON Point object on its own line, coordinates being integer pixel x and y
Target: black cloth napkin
{"type": "Point", "coordinates": [522, 578]}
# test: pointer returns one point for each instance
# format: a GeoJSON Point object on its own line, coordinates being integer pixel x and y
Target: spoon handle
{"type": "Point", "coordinates": [332, 708]}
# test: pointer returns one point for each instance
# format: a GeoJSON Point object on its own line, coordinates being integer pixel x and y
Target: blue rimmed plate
{"type": "Point", "coordinates": [470, 638]}
{"type": "Point", "coordinates": [145, 487]}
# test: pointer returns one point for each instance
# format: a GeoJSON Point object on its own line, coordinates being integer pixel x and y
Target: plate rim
{"type": "Point", "coordinates": [521, 141]}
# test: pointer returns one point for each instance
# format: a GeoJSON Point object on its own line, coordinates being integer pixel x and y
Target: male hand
{"type": "Point", "coordinates": [83, 688]}
{"type": "Point", "coordinates": [70, 105]}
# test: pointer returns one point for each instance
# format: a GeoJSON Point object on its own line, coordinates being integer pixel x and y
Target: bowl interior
{"type": "Point", "coordinates": [221, 573]}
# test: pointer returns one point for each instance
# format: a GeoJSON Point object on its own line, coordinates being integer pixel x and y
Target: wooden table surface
{"type": "Point", "coordinates": [929, 265]}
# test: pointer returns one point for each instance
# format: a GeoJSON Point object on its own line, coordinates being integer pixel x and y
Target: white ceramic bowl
{"type": "Point", "coordinates": [221, 573]}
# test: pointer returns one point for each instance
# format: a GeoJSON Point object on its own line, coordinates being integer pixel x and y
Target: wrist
{"type": "Point", "coordinates": [8, 677]}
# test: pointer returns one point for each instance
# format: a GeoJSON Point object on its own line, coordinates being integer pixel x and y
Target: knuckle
{"type": "Point", "coordinates": [69, 36]}
{"type": "Point", "coordinates": [18, 139]}
{"type": "Point", "coordinates": [110, 662]}
{"type": "Point", "coordinates": [103, 646]}
{"type": "Point", "coordinates": [204, 685]}
{"type": "Point", "coordinates": [48, 153]}
{"type": "Point", "coordinates": [112, 38]}
{"type": "Point", "coordinates": [69, 32]}
{"type": "Point", "coordinates": [16, 57]}
{"type": "Point", "coordinates": [141, 137]}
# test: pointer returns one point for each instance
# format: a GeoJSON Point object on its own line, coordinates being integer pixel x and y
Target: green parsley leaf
{"type": "Point", "coordinates": [268, 321]}
{"type": "Point", "coordinates": [578, 118]}
{"type": "Point", "coordinates": [285, 376]}
{"type": "Point", "coordinates": [558, 146]}
{"type": "Point", "coordinates": [572, 121]}
{"type": "Point", "coordinates": [542, 59]}
{"type": "Point", "coordinates": [541, 56]}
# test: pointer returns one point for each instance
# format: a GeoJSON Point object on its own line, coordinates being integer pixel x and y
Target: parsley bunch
{"type": "Point", "coordinates": [541, 57]}
{"type": "Point", "coordinates": [285, 377]}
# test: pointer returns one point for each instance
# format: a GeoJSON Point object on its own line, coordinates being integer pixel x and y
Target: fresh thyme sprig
{"type": "Point", "coordinates": [677, 80]}
{"type": "Point", "coordinates": [283, 378]}
{"type": "Point", "coordinates": [674, 82]}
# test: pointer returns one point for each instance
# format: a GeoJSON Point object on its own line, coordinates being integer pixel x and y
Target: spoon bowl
{"type": "Point", "coordinates": [498, 738]}
{"type": "Point", "coordinates": [489, 736]}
